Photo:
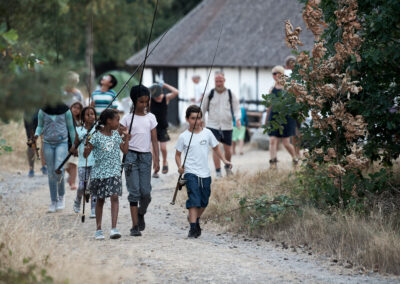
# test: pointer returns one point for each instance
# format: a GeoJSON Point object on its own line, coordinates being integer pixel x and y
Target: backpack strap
{"type": "Point", "coordinates": [211, 95]}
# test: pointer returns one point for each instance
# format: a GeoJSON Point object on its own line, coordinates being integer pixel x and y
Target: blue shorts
{"type": "Point", "coordinates": [198, 190]}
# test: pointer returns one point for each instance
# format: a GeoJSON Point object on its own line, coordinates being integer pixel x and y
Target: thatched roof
{"type": "Point", "coordinates": [253, 35]}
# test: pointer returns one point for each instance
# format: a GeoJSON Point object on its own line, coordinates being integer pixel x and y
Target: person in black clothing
{"type": "Point", "coordinates": [159, 107]}
{"type": "Point", "coordinates": [30, 124]}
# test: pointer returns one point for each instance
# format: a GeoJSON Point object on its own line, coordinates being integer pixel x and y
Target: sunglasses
{"type": "Point", "coordinates": [275, 73]}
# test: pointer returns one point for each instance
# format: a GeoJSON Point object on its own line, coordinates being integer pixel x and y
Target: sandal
{"type": "Point", "coordinates": [165, 169]}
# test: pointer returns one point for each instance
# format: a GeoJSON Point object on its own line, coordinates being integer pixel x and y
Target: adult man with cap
{"type": "Point", "coordinates": [222, 106]}
{"type": "Point", "coordinates": [159, 107]}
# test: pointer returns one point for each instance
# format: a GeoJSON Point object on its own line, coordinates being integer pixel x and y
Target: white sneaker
{"type": "Point", "coordinates": [98, 235]}
{"type": "Point", "coordinates": [218, 174]}
{"type": "Point", "coordinates": [115, 234]}
{"type": "Point", "coordinates": [77, 208]}
{"type": "Point", "coordinates": [60, 203]}
{"type": "Point", "coordinates": [52, 207]}
{"type": "Point", "coordinates": [93, 213]}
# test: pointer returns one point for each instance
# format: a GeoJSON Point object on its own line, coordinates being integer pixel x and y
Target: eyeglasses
{"type": "Point", "coordinates": [275, 73]}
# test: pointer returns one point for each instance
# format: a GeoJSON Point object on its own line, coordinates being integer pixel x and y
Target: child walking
{"type": "Point", "coordinates": [196, 170]}
{"type": "Point", "coordinates": [105, 181]}
{"type": "Point", "coordinates": [139, 158]}
{"type": "Point", "coordinates": [88, 117]}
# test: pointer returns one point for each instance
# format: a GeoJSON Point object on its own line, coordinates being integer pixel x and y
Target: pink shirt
{"type": "Point", "coordinates": [141, 131]}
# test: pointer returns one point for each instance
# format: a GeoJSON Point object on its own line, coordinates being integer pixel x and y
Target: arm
{"type": "Point", "coordinates": [266, 117]}
{"type": "Point", "coordinates": [179, 162]}
{"type": "Point", "coordinates": [39, 128]}
{"type": "Point", "coordinates": [217, 151]}
{"type": "Point", "coordinates": [88, 149]}
{"type": "Point", "coordinates": [154, 142]}
{"type": "Point", "coordinates": [236, 111]}
{"type": "Point", "coordinates": [174, 92]}
{"type": "Point", "coordinates": [70, 125]}
{"type": "Point", "coordinates": [124, 146]}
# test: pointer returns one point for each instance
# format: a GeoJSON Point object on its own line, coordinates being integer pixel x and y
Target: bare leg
{"type": "Point", "coordinates": [193, 214]}
{"type": "Point", "coordinates": [273, 147]}
{"type": "Point", "coordinates": [73, 173]}
{"type": "Point", "coordinates": [228, 152]}
{"type": "Point", "coordinates": [241, 142]}
{"type": "Point", "coordinates": [114, 210]}
{"type": "Point", "coordinates": [99, 212]}
{"type": "Point", "coordinates": [296, 144]}
{"type": "Point", "coordinates": [134, 215]}
{"type": "Point", "coordinates": [163, 147]}
{"type": "Point", "coordinates": [233, 147]}
{"type": "Point", "coordinates": [217, 162]}
{"type": "Point", "coordinates": [289, 147]}
{"type": "Point", "coordinates": [200, 212]}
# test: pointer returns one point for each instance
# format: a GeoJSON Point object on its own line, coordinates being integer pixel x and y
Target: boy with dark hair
{"type": "Point", "coordinates": [102, 97]}
{"type": "Point", "coordinates": [196, 170]}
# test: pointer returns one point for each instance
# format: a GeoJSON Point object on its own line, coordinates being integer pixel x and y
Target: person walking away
{"type": "Point", "coordinates": [196, 170]}
{"type": "Point", "coordinates": [239, 134]}
{"type": "Point", "coordinates": [88, 117]}
{"type": "Point", "coordinates": [30, 124]}
{"type": "Point", "coordinates": [139, 158]}
{"type": "Point", "coordinates": [72, 165]}
{"type": "Point", "coordinates": [105, 181]}
{"type": "Point", "coordinates": [102, 97]}
{"type": "Point", "coordinates": [55, 123]}
{"type": "Point", "coordinates": [159, 107]}
{"type": "Point", "coordinates": [222, 106]}
{"type": "Point", "coordinates": [289, 128]}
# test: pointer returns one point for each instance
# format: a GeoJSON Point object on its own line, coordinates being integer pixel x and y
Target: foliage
{"type": "Point", "coordinates": [263, 210]}
{"type": "Point", "coordinates": [4, 147]}
{"type": "Point", "coordinates": [30, 274]}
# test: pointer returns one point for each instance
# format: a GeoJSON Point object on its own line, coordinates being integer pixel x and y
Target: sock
{"type": "Point", "coordinates": [218, 170]}
{"type": "Point", "coordinates": [198, 220]}
{"type": "Point", "coordinates": [192, 226]}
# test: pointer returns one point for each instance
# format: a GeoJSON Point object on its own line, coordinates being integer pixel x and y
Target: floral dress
{"type": "Point", "coordinates": [106, 172]}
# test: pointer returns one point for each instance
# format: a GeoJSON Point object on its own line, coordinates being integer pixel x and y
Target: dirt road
{"type": "Point", "coordinates": [164, 254]}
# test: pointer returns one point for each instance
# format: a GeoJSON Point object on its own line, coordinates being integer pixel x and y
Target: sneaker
{"type": "Point", "coordinates": [31, 173]}
{"type": "Point", "coordinates": [52, 207]}
{"type": "Point", "coordinates": [192, 234]}
{"type": "Point", "coordinates": [198, 229]}
{"type": "Point", "coordinates": [156, 175]}
{"type": "Point", "coordinates": [77, 207]}
{"type": "Point", "coordinates": [218, 174]}
{"type": "Point", "coordinates": [98, 235]}
{"type": "Point", "coordinates": [115, 234]}
{"type": "Point", "coordinates": [60, 203]}
{"type": "Point", "coordinates": [44, 170]}
{"type": "Point", "coordinates": [135, 232]}
{"type": "Point", "coordinates": [92, 213]}
{"type": "Point", "coordinates": [141, 223]}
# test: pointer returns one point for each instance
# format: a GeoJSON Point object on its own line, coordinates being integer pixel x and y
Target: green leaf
{"type": "Point", "coordinates": [11, 36]}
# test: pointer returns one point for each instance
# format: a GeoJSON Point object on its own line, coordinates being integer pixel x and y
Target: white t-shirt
{"type": "Point", "coordinates": [198, 93]}
{"type": "Point", "coordinates": [197, 159]}
{"type": "Point", "coordinates": [141, 131]}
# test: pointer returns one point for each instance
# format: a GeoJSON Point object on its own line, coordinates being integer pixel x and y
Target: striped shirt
{"type": "Point", "coordinates": [103, 99]}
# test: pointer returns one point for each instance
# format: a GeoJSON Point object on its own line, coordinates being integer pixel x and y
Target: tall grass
{"type": "Point", "coordinates": [370, 241]}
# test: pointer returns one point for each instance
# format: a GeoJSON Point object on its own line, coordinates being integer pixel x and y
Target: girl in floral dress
{"type": "Point", "coordinates": [105, 182]}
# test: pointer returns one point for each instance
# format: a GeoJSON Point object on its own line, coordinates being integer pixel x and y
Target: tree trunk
{"type": "Point", "coordinates": [90, 82]}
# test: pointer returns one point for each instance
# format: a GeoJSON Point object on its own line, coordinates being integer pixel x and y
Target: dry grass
{"type": "Point", "coordinates": [369, 242]}
{"type": "Point", "coordinates": [14, 134]}
{"type": "Point", "coordinates": [67, 256]}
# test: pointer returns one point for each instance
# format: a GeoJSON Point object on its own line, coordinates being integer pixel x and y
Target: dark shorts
{"type": "Point", "coordinates": [223, 136]}
{"type": "Point", "coordinates": [162, 135]}
{"type": "Point", "coordinates": [198, 190]}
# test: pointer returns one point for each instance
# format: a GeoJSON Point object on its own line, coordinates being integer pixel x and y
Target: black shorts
{"type": "Point", "coordinates": [162, 135]}
{"type": "Point", "coordinates": [223, 136]}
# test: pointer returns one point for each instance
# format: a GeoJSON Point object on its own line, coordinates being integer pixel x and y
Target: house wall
{"type": "Point", "coordinates": [245, 83]}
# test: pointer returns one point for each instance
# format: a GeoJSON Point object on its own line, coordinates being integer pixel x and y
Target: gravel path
{"type": "Point", "coordinates": [164, 254]}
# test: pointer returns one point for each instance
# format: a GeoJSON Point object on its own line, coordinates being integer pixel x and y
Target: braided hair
{"type": "Point", "coordinates": [106, 114]}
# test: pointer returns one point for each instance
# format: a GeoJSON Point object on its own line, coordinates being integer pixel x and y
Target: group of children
{"type": "Point", "coordinates": [99, 163]}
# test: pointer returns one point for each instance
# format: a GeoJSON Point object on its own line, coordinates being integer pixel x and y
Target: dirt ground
{"type": "Point", "coordinates": [164, 254]}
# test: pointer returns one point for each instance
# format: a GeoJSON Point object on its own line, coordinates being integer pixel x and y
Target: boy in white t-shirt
{"type": "Point", "coordinates": [196, 171]}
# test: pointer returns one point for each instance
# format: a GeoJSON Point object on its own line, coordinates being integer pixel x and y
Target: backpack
{"type": "Point", "coordinates": [211, 95]}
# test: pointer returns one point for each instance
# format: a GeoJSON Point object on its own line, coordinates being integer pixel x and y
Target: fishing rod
{"type": "Point", "coordinates": [181, 182]}
{"type": "Point", "coordinates": [141, 76]}
{"type": "Point", "coordinates": [58, 170]}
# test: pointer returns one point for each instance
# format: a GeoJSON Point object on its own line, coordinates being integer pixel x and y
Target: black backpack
{"type": "Point", "coordinates": [211, 95]}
